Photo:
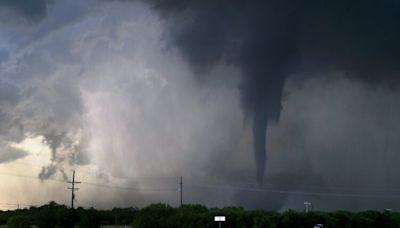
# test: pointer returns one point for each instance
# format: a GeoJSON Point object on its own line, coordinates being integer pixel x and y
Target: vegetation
{"type": "Point", "coordinates": [56, 215]}
{"type": "Point", "coordinates": [161, 215]}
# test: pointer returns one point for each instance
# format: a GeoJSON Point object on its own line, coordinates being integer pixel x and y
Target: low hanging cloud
{"type": "Point", "coordinates": [9, 153]}
{"type": "Point", "coordinates": [271, 40]}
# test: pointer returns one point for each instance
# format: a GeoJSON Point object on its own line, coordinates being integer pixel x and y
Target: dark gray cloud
{"type": "Point", "coordinates": [9, 93]}
{"type": "Point", "coordinates": [270, 40]}
{"type": "Point", "coordinates": [104, 85]}
{"type": "Point", "coordinates": [51, 170]}
{"type": "Point", "coordinates": [9, 154]}
{"type": "Point", "coordinates": [29, 9]}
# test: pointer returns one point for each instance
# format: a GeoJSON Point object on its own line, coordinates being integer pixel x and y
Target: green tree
{"type": "Point", "coordinates": [155, 215]}
{"type": "Point", "coordinates": [19, 221]}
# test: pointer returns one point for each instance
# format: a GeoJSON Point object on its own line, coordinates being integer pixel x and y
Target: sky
{"type": "Point", "coordinates": [260, 104]}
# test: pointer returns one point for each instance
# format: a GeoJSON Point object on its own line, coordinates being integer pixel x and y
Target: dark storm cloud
{"type": "Point", "coordinates": [357, 36]}
{"type": "Point", "coordinates": [10, 127]}
{"type": "Point", "coordinates": [270, 40]}
{"type": "Point", "coordinates": [92, 81]}
{"type": "Point", "coordinates": [9, 93]}
{"type": "Point", "coordinates": [54, 140]}
{"type": "Point", "coordinates": [29, 9]}
{"type": "Point", "coordinates": [8, 154]}
{"type": "Point", "coordinates": [268, 34]}
{"type": "Point", "coordinates": [50, 170]}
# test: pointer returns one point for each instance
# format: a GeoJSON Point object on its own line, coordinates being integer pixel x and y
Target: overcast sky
{"type": "Point", "coordinates": [135, 94]}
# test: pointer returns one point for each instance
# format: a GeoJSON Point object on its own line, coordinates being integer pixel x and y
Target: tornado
{"type": "Point", "coordinates": [260, 123]}
{"type": "Point", "coordinates": [270, 41]}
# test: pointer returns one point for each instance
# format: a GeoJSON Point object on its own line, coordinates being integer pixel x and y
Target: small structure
{"type": "Point", "coordinates": [219, 219]}
{"type": "Point", "coordinates": [308, 206]}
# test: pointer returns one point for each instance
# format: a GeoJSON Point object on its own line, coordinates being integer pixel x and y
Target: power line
{"type": "Point", "coordinates": [298, 192]}
{"type": "Point", "coordinates": [94, 184]}
{"type": "Point", "coordinates": [31, 177]}
{"type": "Point", "coordinates": [308, 187]}
{"type": "Point", "coordinates": [252, 184]}
{"type": "Point", "coordinates": [14, 206]}
{"type": "Point", "coordinates": [216, 186]}
{"type": "Point", "coordinates": [131, 188]}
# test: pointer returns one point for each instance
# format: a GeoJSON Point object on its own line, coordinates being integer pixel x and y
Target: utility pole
{"type": "Point", "coordinates": [73, 182]}
{"type": "Point", "coordinates": [181, 188]}
{"type": "Point", "coordinates": [308, 205]}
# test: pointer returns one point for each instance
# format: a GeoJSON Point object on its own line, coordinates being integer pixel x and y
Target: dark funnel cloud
{"type": "Point", "coordinates": [54, 141]}
{"type": "Point", "coordinates": [50, 170]}
{"type": "Point", "coordinates": [271, 40]}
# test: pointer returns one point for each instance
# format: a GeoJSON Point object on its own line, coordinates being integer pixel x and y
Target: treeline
{"type": "Point", "coordinates": [161, 215]}
{"type": "Point", "coordinates": [55, 215]}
